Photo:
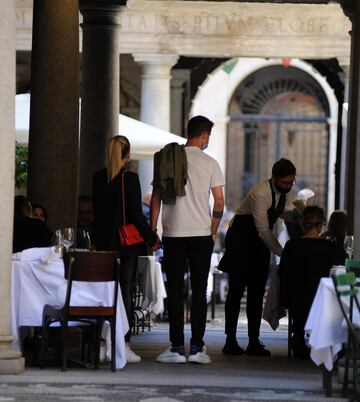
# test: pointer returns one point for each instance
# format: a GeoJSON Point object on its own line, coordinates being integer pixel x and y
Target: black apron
{"type": "Point", "coordinates": [242, 241]}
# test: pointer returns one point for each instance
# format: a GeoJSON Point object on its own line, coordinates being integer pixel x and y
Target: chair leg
{"type": "Point", "coordinates": [63, 329]}
{"type": "Point", "coordinates": [356, 377]}
{"type": "Point", "coordinates": [327, 381]}
{"type": "Point", "coordinates": [43, 346]}
{"type": "Point", "coordinates": [98, 343]}
{"type": "Point", "coordinates": [113, 345]}
{"type": "Point", "coordinates": [84, 343]}
{"type": "Point", "coordinates": [36, 344]}
{"type": "Point", "coordinates": [346, 376]}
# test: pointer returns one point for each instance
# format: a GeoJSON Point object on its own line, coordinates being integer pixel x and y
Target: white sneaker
{"type": "Point", "coordinates": [198, 355]}
{"type": "Point", "coordinates": [132, 357]}
{"type": "Point", "coordinates": [172, 355]}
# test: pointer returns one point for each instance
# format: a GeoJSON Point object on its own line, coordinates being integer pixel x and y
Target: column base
{"type": "Point", "coordinates": [12, 366]}
{"type": "Point", "coordinates": [11, 360]}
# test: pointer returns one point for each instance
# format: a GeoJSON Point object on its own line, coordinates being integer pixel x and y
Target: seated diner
{"type": "Point", "coordinates": [303, 262]}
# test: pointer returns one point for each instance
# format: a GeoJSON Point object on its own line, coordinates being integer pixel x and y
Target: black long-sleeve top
{"type": "Point", "coordinates": [303, 262]}
{"type": "Point", "coordinates": [108, 212]}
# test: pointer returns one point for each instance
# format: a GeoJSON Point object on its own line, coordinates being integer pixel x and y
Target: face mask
{"type": "Point", "coordinates": [204, 147]}
{"type": "Point", "coordinates": [282, 190]}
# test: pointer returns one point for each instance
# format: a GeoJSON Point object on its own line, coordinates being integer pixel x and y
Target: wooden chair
{"type": "Point", "coordinates": [84, 266]}
{"type": "Point", "coordinates": [346, 293]}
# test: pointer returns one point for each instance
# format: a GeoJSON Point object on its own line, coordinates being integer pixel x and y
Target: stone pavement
{"type": "Point", "coordinates": [227, 379]}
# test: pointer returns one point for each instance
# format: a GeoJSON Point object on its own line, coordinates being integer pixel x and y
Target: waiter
{"type": "Point", "coordinates": [248, 243]}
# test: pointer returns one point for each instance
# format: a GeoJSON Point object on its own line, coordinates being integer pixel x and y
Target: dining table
{"type": "Point", "coordinates": [326, 325]}
{"type": "Point", "coordinates": [38, 279]}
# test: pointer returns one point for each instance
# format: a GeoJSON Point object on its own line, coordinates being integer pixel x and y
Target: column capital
{"type": "Point", "coordinates": [156, 65]}
{"type": "Point", "coordinates": [101, 13]}
{"type": "Point", "coordinates": [159, 59]}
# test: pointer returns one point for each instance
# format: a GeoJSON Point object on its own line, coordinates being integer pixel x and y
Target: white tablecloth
{"type": "Point", "coordinates": [151, 284]}
{"type": "Point", "coordinates": [326, 325]}
{"type": "Point", "coordinates": [38, 279]}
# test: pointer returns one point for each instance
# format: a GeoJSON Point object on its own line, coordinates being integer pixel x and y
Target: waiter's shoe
{"type": "Point", "coordinates": [232, 348]}
{"type": "Point", "coordinates": [257, 348]}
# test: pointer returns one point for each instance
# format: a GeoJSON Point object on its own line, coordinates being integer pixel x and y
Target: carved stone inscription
{"type": "Point", "coordinates": [23, 17]}
{"type": "Point", "coordinates": [233, 24]}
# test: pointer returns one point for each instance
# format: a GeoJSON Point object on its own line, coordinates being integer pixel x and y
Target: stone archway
{"type": "Point", "coordinates": [213, 98]}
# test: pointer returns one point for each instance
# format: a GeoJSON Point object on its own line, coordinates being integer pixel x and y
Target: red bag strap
{"type": "Point", "coordinates": [123, 197]}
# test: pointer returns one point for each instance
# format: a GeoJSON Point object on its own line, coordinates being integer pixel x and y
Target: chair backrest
{"type": "Point", "coordinates": [344, 284]}
{"type": "Point", "coordinates": [352, 263]}
{"type": "Point", "coordinates": [353, 266]}
{"type": "Point", "coordinates": [346, 293]}
{"type": "Point", "coordinates": [91, 266]}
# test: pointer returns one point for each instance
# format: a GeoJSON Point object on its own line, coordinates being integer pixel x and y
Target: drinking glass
{"type": "Point", "coordinates": [58, 241]}
{"type": "Point", "coordinates": [69, 237]}
{"type": "Point", "coordinates": [349, 245]}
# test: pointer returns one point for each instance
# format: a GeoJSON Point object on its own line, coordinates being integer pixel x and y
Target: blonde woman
{"type": "Point", "coordinates": [108, 211]}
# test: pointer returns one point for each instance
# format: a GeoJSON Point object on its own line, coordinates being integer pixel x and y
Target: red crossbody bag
{"type": "Point", "coordinates": [128, 233]}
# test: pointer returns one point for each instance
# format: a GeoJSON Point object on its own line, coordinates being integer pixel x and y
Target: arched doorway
{"type": "Point", "coordinates": [277, 112]}
{"type": "Point", "coordinates": [215, 95]}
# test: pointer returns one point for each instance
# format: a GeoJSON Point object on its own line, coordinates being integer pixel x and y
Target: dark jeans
{"type": "Point", "coordinates": [197, 252]}
{"type": "Point", "coordinates": [128, 269]}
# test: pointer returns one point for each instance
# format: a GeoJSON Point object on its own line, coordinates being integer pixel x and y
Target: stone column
{"type": "Point", "coordinates": [155, 101]}
{"type": "Point", "coordinates": [11, 361]}
{"type": "Point", "coordinates": [344, 146]}
{"type": "Point", "coordinates": [100, 85]}
{"type": "Point", "coordinates": [54, 110]}
{"type": "Point", "coordinates": [353, 144]}
{"type": "Point", "coordinates": [178, 81]}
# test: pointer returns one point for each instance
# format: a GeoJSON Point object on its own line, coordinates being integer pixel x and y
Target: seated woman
{"type": "Point", "coordinates": [39, 212]}
{"type": "Point", "coordinates": [28, 232]}
{"type": "Point", "coordinates": [336, 231]}
{"type": "Point", "coordinates": [303, 262]}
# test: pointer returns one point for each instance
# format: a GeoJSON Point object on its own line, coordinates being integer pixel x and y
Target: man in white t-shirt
{"type": "Point", "coordinates": [189, 230]}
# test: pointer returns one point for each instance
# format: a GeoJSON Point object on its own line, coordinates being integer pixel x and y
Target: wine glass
{"type": "Point", "coordinates": [69, 237]}
{"type": "Point", "coordinates": [349, 245]}
{"type": "Point", "coordinates": [58, 241]}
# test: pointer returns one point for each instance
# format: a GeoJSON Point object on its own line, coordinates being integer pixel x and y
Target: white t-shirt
{"type": "Point", "coordinates": [191, 215]}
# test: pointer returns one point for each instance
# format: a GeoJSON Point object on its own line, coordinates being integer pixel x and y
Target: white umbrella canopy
{"type": "Point", "coordinates": [145, 139]}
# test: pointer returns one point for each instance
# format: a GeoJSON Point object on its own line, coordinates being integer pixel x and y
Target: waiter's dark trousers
{"type": "Point", "coordinates": [197, 251]}
{"type": "Point", "coordinates": [249, 259]}
{"type": "Point", "coordinates": [255, 283]}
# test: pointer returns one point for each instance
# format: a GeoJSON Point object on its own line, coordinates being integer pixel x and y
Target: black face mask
{"type": "Point", "coordinates": [281, 189]}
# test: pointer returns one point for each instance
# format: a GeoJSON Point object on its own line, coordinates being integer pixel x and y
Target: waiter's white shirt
{"type": "Point", "coordinates": [256, 203]}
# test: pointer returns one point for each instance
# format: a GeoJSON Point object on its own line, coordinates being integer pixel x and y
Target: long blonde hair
{"type": "Point", "coordinates": [117, 149]}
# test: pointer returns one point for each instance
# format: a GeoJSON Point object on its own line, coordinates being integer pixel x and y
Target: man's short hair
{"type": "Point", "coordinates": [197, 125]}
{"type": "Point", "coordinates": [283, 168]}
